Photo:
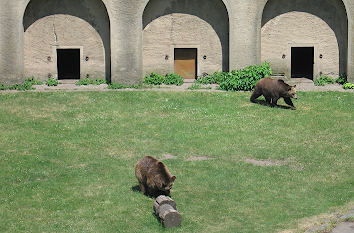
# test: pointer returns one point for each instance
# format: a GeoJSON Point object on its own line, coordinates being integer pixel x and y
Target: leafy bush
{"type": "Point", "coordinates": [323, 80]}
{"type": "Point", "coordinates": [32, 81]}
{"type": "Point", "coordinates": [348, 86]}
{"type": "Point", "coordinates": [173, 79]}
{"type": "Point", "coordinates": [342, 79]}
{"type": "Point", "coordinates": [88, 81]}
{"type": "Point", "coordinates": [27, 85]}
{"type": "Point", "coordinates": [158, 79]}
{"type": "Point", "coordinates": [216, 78]}
{"type": "Point", "coordinates": [153, 79]}
{"type": "Point", "coordinates": [245, 79]}
{"type": "Point", "coordinates": [3, 87]}
{"type": "Point", "coordinates": [52, 82]}
{"type": "Point", "coordinates": [197, 86]}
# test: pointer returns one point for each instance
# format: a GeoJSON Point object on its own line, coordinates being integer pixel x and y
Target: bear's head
{"type": "Point", "coordinates": [168, 185]}
{"type": "Point", "coordinates": [292, 92]}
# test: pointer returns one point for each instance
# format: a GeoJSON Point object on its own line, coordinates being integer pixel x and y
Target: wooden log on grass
{"type": "Point", "coordinates": [169, 216]}
{"type": "Point", "coordinates": [166, 210]}
{"type": "Point", "coordinates": [160, 200]}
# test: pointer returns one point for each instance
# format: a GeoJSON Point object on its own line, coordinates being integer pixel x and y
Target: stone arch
{"type": "Point", "coordinates": [324, 25]}
{"type": "Point", "coordinates": [170, 24]}
{"type": "Point", "coordinates": [53, 24]}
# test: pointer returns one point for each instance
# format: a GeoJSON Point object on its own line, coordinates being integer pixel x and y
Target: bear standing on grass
{"type": "Point", "coordinates": [153, 176]}
{"type": "Point", "coordinates": [272, 90]}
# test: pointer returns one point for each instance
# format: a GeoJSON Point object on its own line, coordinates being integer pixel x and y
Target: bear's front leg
{"type": "Point", "coordinates": [289, 102]}
{"type": "Point", "coordinates": [275, 101]}
{"type": "Point", "coordinates": [268, 100]}
{"type": "Point", "coordinates": [142, 188]}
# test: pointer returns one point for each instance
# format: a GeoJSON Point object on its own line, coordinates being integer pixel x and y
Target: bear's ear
{"type": "Point", "coordinates": [294, 86]}
{"type": "Point", "coordinates": [160, 164]}
{"type": "Point", "coordinates": [173, 178]}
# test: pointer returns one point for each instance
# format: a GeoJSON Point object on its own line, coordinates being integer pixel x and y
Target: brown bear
{"type": "Point", "coordinates": [272, 90]}
{"type": "Point", "coordinates": [153, 176]}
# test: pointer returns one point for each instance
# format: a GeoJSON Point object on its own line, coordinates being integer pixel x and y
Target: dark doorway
{"type": "Point", "coordinates": [186, 62]}
{"type": "Point", "coordinates": [68, 62]}
{"type": "Point", "coordinates": [302, 62]}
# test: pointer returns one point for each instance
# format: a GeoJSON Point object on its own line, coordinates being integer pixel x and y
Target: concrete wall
{"type": "Point", "coordinates": [125, 31]}
{"type": "Point", "coordinates": [55, 24]}
{"type": "Point", "coordinates": [178, 24]}
{"type": "Point", "coordinates": [318, 23]}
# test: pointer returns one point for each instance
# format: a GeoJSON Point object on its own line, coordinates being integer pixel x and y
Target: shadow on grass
{"type": "Point", "coordinates": [264, 103]}
{"type": "Point", "coordinates": [135, 188]}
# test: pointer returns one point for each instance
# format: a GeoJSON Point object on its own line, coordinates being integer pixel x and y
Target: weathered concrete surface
{"type": "Point", "coordinates": [11, 40]}
{"type": "Point", "coordinates": [126, 33]}
{"type": "Point", "coordinates": [346, 60]}
{"type": "Point", "coordinates": [177, 24]}
{"type": "Point", "coordinates": [61, 24]}
{"type": "Point", "coordinates": [321, 24]}
{"type": "Point", "coordinates": [345, 227]}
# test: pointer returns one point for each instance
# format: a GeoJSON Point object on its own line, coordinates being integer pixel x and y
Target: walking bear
{"type": "Point", "coordinates": [153, 176]}
{"type": "Point", "coordinates": [272, 90]}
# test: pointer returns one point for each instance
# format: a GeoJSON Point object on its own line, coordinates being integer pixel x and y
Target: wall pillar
{"type": "Point", "coordinates": [244, 41]}
{"type": "Point", "coordinates": [126, 42]}
{"type": "Point", "coordinates": [11, 43]}
{"type": "Point", "coordinates": [350, 14]}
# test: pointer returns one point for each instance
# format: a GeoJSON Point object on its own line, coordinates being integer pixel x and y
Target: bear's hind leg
{"type": "Point", "coordinates": [268, 100]}
{"type": "Point", "coordinates": [275, 101]}
{"type": "Point", "coordinates": [289, 102]}
{"type": "Point", "coordinates": [256, 93]}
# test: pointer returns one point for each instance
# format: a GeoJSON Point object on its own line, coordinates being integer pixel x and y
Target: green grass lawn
{"type": "Point", "coordinates": [67, 160]}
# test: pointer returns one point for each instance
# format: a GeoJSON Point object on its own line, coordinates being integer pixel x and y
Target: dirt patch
{"type": "Point", "coordinates": [266, 163]}
{"type": "Point", "coordinates": [168, 156]}
{"type": "Point", "coordinates": [199, 158]}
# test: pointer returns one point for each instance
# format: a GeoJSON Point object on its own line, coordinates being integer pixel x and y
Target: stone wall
{"type": "Point", "coordinates": [119, 27]}
{"type": "Point", "coordinates": [170, 24]}
{"type": "Point", "coordinates": [51, 25]}
{"type": "Point", "coordinates": [319, 24]}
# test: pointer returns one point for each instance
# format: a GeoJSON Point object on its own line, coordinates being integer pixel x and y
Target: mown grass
{"type": "Point", "coordinates": [67, 160]}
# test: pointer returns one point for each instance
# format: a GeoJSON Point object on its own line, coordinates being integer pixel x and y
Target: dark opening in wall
{"type": "Point", "coordinates": [186, 62]}
{"type": "Point", "coordinates": [68, 62]}
{"type": "Point", "coordinates": [302, 60]}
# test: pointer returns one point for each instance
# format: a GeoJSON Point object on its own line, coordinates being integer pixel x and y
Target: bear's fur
{"type": "Point", "coordinates": [153, 176]}
{"type": "Point", "coordinates": [272, 90]}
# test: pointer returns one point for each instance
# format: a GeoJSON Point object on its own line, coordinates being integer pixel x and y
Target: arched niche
{"type": "Point", "coordinates": [52, 25]}
{"type": "Point", "coordinates": [202, 26]}
{"type": "Point", "coordinates": [319, 24]}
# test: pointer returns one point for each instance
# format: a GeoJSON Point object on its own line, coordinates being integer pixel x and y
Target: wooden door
{"type": "Point", "coordinates": [186, 62]}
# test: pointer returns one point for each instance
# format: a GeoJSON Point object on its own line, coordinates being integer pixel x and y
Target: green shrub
{"type": "Point", "coordinates": [117, 86]}
{"type": "Point", "coordinates": [173, 79]}
{"type": "Point", "coordinates": [27, 85]}
{"type": "Point", "coordinates": [153, 79]}
{"type": "Point", "coordinates": [197, 86]}
{"type": "Point", "coordinates": [342, 79]}
{"type": "Point", "coordinates": [3, 87]}
{"type": "Point", "coordinates": [88, 81]}
{"type": "Point", "coordinates": [323, 80]}
{"type": "Point", "coordinates": [348, 86]}
{"type": "Point", "coordinates": [245, 79]}
{"type": "Point", "coordinates": [216, 78]}
{"type": "Point", "coordinates": [158, 79]}
{"type": "Point", "coordinates": [33, 81]}
{"type": "Point", "coordinates": [52, 82]}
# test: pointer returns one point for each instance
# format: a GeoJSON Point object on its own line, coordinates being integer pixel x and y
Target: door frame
{"type": "Point", "coordinates": [315, 58]}
{"type": "Point", "coordinates": [185, 46]}
{"type": "Point", "coordinates": [55, 58]}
